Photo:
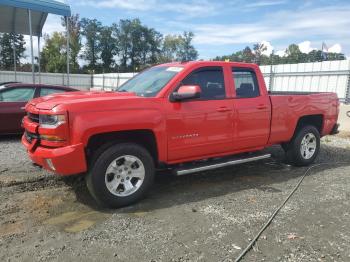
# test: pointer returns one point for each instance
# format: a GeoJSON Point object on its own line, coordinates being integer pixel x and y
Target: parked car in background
{"type": "Point", "coordinates": [3, 84]}
{"type": "Point", "coordinates": [13, 98]}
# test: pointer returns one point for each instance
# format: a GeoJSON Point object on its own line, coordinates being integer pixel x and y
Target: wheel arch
{"type": "Point", "coordinates": [143, 137]}
{"type": "Point", "coordinates": [316, 120]}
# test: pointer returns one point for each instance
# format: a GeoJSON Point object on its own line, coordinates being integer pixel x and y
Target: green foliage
{"type": "Point", "coordinates": [259, 49]}
{"type": "Point", "coordinates": [125, 46]}
{"type": "Point", "coordinates": [91, 30]}
{"type": "Point", "coordinates": [7, 41]}
{"type": "Point", "coordinates": [74, 40]}
{"type": "Point", "coordinates": [187, 52]}
{"type": "Point", "coordinates": [54, 54]}
{"type": "Point", "coordinates": [293, 55]}
{"type": "Point", "coordinates": [171, 48]}
{"type": "Point", "coordinates": [178, 48]}
{"type": "Point", "coordinates": [108, 47]}
{"type": "Point", "coordinates": [138, 46]}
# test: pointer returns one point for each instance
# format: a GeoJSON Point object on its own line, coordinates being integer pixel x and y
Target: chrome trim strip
{"type": "Point", "coordinates": [229, 163]}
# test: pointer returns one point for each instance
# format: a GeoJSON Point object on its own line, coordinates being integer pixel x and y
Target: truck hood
{"type": "Point", "coordinates": [51, 101]}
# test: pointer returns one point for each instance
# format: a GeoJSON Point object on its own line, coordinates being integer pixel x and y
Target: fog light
{"type": "Point", "coordinates": [51, 138]}
{"type": "Point", "coordinates": [50, 164]}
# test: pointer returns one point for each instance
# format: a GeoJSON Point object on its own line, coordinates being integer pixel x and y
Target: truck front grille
{"type": "Point", "coordinates": [30, 136]}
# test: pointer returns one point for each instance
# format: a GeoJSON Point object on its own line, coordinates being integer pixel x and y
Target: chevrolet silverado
{"type": "Point", "coordinates": [183, 117]}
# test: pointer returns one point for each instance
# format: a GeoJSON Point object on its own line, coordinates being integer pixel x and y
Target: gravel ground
{"type": "Point", "coordinates": [210, 216]}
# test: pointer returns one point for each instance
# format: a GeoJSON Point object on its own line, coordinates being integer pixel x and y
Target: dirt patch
{"type": "Point", "coordinates": [12, 228]}
{"type": "Point", "coordinates": [209, 216]}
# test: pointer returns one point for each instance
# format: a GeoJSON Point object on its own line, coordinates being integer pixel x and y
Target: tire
{"type": "Point", "coordinates": [304, 147]}
{"type": "Point", "coordinates": [285, 146]}
{"type": "Point", "coordinates": [120, 175]}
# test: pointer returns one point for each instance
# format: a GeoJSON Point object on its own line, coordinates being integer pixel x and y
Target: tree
{"type": "Point", "coordinates": [171, 48]}
{"type": "Point", "coordinates": [7, 42]}
{"type": "Point", "coordinates": [247, 55]}
{"type": "Point", "coordinates": [336, 56]}
{"type": "Point", "coordinates": [259, 49]}
{"type": "Point", "coordinates": [294, 55]}
{"type": "Point", "coordinates": [122, 32]}
{"type": "Point", "coordinates": [74, 40]}
{"type": "Point", "coordinates": [153, 47]}
{"type": "Point", "coordinates": [138, 45]}
{"type": "Point", "coordinates": [108, 47]}
{"type": "Point", "coordinates": [54, 54]}
{"type": "Point", "coordinates": [91, 30]}
{"type": "Point", "coordinates": [187, 51]}
{"type": "Point", "coordinates": [137, 40]}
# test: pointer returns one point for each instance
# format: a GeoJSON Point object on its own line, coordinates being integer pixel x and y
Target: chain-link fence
{"type": "Point", "coordinates": [79, 81]}
{"type": "Point", "coordinates": [329, 76]}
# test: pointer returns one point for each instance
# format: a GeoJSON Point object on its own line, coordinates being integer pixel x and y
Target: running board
{"type": "Point", "coordinates": [194, 169]}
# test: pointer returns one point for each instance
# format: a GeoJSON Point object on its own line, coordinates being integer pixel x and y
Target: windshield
{"type": "Point", "coordinates": [151, 81]}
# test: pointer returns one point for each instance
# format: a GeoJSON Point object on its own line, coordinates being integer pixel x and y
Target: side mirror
{"type": "Point", "coordinates": [185, 93]}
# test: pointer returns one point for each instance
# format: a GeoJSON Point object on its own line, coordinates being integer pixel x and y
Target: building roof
{"type": "Point", "coordinates": [14, 14]}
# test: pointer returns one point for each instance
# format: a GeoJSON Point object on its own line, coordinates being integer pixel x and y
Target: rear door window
{"type": "Point", "coordinates": [19, 94]}
{"type": "Point", "coordinates": [246, 83]}
{"type": "Point", "coordinates": [44, 91]}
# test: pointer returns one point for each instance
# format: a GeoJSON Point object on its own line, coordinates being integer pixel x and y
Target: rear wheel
{"type": "Point", "coordinates": [120, 175]}
{"type": "Point", "coordinates": [304, 147]}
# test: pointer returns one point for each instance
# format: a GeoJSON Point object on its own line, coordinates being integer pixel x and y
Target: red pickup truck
{"type": "Point", "coordinates": [185, 117]}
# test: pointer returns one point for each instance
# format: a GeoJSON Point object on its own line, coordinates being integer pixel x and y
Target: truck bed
{"type": "Point", "coordinates": [288, 107]}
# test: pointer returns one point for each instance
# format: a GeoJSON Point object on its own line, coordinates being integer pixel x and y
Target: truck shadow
{"type": "Point", "coordinates": [170, 190]}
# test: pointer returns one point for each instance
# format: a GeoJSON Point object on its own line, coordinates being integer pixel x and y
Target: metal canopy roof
{"type": "Point", "coordinates": [14, 14]}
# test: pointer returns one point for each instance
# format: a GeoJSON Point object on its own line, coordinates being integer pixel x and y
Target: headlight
{"type": "Point", "coordinates": [51, 121]}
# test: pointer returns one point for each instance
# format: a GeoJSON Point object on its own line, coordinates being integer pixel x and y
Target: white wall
{"type": "Point", "coordinates": [111, 80]}
{"type": "Point", "coordinates": [329, 76]}
{"type": "Point", "coordinates": [79, 81]}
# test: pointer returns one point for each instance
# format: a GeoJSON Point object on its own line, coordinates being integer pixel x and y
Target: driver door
{"type": "Point", "coordinates": [201, 127]}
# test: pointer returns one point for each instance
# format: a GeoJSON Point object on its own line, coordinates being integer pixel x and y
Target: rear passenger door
{"type": "Point", "coordinates": [201, 127]}
{"type": "Point", "coordinates": [252, 110]}
{"type": "Point", "coordinates": [12, 102]}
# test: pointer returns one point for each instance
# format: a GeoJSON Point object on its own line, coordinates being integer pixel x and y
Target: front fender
{"type": "Point", "coordinates": [85, 125]}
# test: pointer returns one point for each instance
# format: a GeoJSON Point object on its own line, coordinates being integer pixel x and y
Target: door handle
{"type": "Point", "coordinates": [23, 107]}
{"type": "Point", "coordinates": [223, 109]}
{"type": "Point", "coordinates": [261, 107]}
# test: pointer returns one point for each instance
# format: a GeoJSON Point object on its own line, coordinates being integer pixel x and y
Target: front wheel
{"type": "Point", "coordinates": [304, 147]}
{"type": "Point", "coordinates": [120, 175]}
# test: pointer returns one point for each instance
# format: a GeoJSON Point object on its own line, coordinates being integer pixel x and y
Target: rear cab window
{"type": "Point", "coordinates": [211, 81]}
{"type": "Point", "coordinates": [246, 83]}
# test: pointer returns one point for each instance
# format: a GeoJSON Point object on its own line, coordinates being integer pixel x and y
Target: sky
{"type": "Point", "coordinates": [222, 27]}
